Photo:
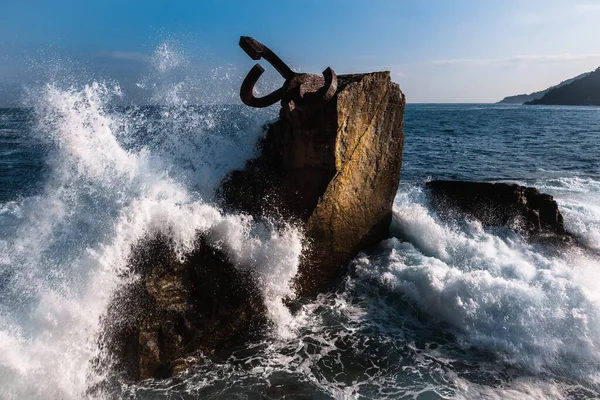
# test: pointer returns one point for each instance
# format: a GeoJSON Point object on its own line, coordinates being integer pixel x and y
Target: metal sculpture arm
{"type": "Point", "coordinates": [256, 51]}
{"type": "Point", "coordinates": [298, 85]}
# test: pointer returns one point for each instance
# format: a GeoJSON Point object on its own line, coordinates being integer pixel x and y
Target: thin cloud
{"type": "Point", "coordinates": [521, 58]}
{"type": "Point", "coordinates": [529, 19]}
{"type": "Point", "coordinates": [585, 8]}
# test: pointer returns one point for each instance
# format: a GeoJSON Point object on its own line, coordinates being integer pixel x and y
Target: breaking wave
{"type": "Point", "coordinates": [440, 309]}
{"type": "Point", "coordinates": [116, 175]}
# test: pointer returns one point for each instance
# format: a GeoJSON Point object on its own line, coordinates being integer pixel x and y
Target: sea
{"type": "Point", "coordinates": [439, 310]}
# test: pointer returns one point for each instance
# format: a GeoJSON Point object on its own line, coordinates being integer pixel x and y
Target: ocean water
{"type": "Point", "coordinates": [438, 310]}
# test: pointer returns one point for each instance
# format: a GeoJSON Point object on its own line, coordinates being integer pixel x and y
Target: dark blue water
{"type": "Point", "coordinates": [466, 142]}
{"type": "Point", "coordinates": [21, 155]}
{"type": "Point", "coordinates": [440, 310]}
{"type": "Point", "coordinates": [492, 142]}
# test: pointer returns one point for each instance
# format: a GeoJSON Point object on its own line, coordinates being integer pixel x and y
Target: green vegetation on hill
{"type": "Point", "coordinates": [581, 92]}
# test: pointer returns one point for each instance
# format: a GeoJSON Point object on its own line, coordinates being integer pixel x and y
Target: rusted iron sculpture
{"type": "Point", "coordinates": [301, 94]}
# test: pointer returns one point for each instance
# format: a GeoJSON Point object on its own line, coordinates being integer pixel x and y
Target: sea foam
{"type": "Point", "coordinates": [104, 192]}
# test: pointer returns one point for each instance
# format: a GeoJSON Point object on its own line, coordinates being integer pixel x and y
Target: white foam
{"type": "Point", "coordinates": [74, 240]}
{"type": "Point", "coordinates": [535, 310]}
{"type": "Point", "coordinates": [520, 389]}
{"type": "Point", "coordinates": [577, 198]}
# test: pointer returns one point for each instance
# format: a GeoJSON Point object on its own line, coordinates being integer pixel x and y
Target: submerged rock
{"type": "Point", "coordinates": [336, 177]}
{"type": "Point", "coordinates": [532, 213]}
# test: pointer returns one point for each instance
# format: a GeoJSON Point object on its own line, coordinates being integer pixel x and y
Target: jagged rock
{"type": "Point", "coordinates": [160, 324]}
{"type": "Point", "coordinates": [338, 178]}
{"type": "Point", "coordinates": [496, 204]}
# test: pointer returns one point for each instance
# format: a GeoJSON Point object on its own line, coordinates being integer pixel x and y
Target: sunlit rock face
{"type": "Point", "coordinates": [337, 176]}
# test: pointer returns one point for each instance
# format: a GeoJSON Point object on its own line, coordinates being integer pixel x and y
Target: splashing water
{"type": "Point", "coordinates": [104, 192]}
{"type": "Point", "coordinates": [441, 309]}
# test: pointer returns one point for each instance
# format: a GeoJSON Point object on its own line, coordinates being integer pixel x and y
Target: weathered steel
{"type": "Point", "coordinates": [312, 90]}
{"type": "Point", "coordinates": [247, 90]}
{"type": "Point", "coordinates": [307, 93]}
{"type": "Point", "coordinates": [257, 50]}
{"type": "Point", "coordinates": [300, 93]}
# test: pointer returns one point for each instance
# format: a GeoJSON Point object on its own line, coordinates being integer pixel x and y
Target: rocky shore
{"type": "Point", "coordinates": [335, 176]}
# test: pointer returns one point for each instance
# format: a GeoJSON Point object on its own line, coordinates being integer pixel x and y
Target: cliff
{"type": "Point", "coordinates": [524, 98]}
{"type": "Point", "coordinates": [334, 171]}
{"type": "Point", "coordinates": [581, 92]}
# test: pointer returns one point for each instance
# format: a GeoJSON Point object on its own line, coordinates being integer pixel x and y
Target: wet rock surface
{"type": "Point", "coordinates": [177, 312]}
{"type": "Point", "coordinates": [533, 214]}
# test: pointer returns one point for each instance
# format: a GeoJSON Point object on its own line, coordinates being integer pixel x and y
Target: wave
{"type": "Point", "coordinates": [440, 309]}
{"type": "Point", "coordinates": [533, 309]}
{"type": "Point", "coordinates": [106, 189]}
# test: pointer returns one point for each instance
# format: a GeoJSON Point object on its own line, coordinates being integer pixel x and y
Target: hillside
{"type": "Point", "coordinates": [524, 98]}
{"type": "Point", "coordinates": [581, 92]}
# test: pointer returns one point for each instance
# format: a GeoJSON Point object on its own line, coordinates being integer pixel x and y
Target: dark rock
{"type": "Point", "coordinates": [177, 311]}
{"type": "Point", "coordinates": [495, 204]}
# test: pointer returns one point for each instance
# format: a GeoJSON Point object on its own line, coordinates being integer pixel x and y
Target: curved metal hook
{"type": "Point", "coordinates": [247, 90]}
{"type": "Point", "coordinates": [256, 51]}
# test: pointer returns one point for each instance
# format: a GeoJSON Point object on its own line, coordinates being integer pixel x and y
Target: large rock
{"type": "Point", "coordinates": [337, 179]}
{"type": "Point", "coordinates": [176, 313]}
{"type": "Point", "coordinates": [495, 204]}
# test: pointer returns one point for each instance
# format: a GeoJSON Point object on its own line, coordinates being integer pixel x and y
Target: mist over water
{"type": "Point", "coordinates": [440, 309]}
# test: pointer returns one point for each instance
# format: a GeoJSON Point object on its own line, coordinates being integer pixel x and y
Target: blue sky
{"type": "Point", "coordinates": [438, 51]}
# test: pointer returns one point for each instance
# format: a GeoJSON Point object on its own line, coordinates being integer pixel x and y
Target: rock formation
{"type": "Point", "coordinates": [495, 204]}
{"type": "Point", "coordinates": [336, 175]}
{"type": "Point", "coordinates": [176, 312]}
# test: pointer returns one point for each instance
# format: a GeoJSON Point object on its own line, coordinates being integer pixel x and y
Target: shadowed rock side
{"type": "Point", "coordinates": [176, 312]}
{"type": "Point", "coordinates": [338, 176]}
{"type": "Point", "coordinates": [337, 179]}
{"type": "Point", "coordinates": [533, 214]}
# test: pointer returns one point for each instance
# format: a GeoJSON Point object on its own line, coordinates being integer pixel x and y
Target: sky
{"type": "Point", "coordinates": [437, 50]}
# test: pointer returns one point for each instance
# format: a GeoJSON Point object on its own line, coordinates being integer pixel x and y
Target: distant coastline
{"type": "Point", "coordinates": [535, 96]}
{"type": "Point", "coordinates": [581, 92]}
